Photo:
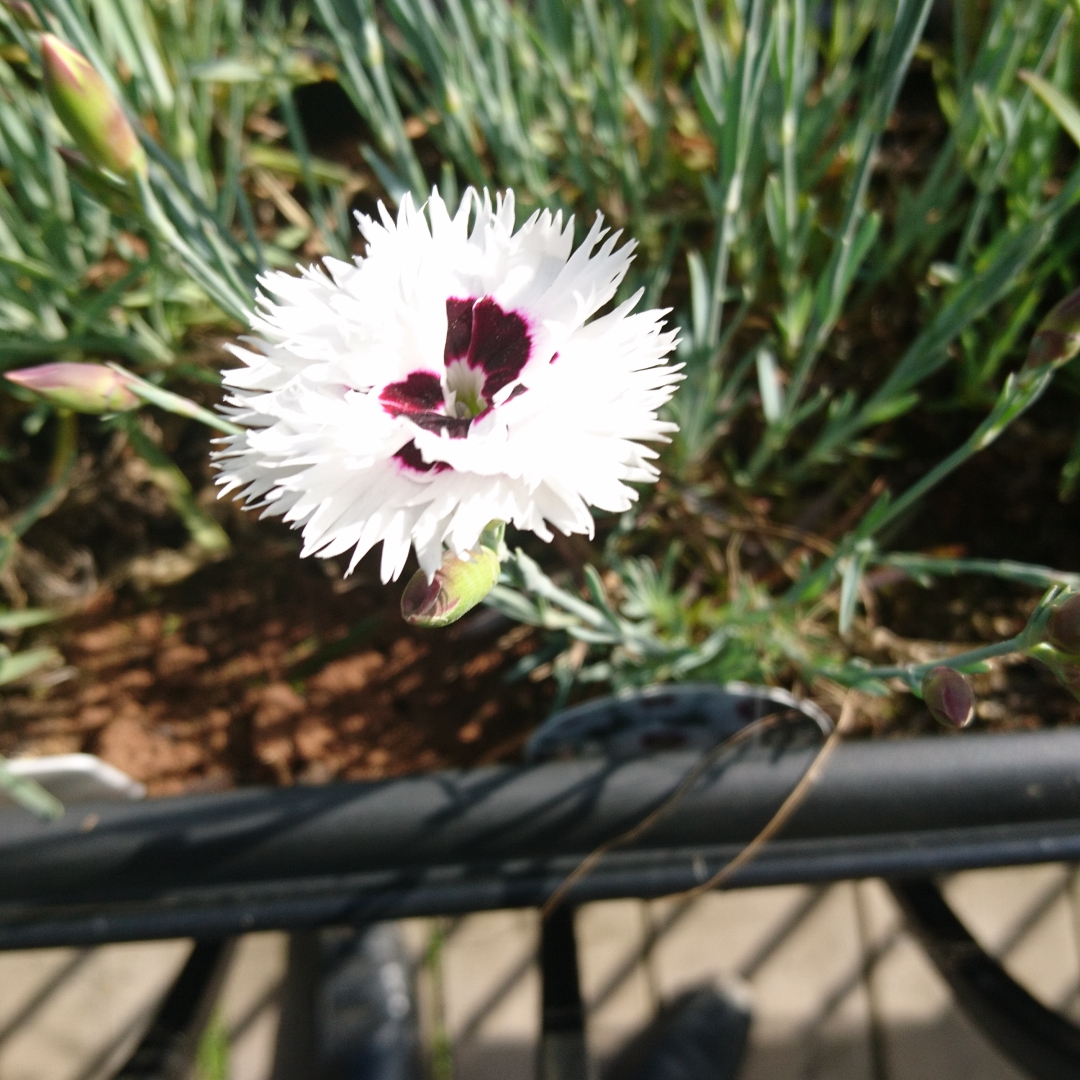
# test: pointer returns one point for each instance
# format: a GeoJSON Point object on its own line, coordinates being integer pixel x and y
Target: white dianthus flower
{"type": "Point", "coordinates": [449, 378]}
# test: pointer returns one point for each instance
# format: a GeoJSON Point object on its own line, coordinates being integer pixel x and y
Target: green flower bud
{"type": "Point", "coordinates": [95, 119]}
{"type": "Point", "coordinates": [85, 388]}
{"type": "Point", "coordinates": [949, 697]}
{"type": "Point", "coordinates": [23, 13]}
{"type": "Point", "coordinates": [1063, 626]}
{"type": "Point", "coordinates": [457, 587]}
{"type": "Point", "coordinates": [1057, 339]}
{"type": "Point", "coordinates": [110, 193]}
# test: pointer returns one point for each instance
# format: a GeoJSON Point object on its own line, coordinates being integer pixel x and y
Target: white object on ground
{"type": "Point", "coordinates": [76, 778]}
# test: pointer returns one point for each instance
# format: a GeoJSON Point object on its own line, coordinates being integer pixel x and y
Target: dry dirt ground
{"type": "Point", "coordinates": [264, 668]}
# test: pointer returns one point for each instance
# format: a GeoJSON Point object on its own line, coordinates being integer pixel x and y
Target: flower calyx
{"type": "Point", "coordinates": [110, 192]}
{"type": "Point", "coordinates": [457, 586]}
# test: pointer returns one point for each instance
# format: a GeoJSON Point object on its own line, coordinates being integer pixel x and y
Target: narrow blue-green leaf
{"type": "Point", "coordinates": [29, 794]}
{"type": "Point", "coordinates": [1060, 104]}
{"type": "Point", "coordinates": [22, 620]}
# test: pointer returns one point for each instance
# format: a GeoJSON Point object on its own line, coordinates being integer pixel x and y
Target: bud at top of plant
{"type": "Point", "coordinates": [456, 588]}
{"type": "Point", "coordinates": [85, 388]}
{"type": "Point", "coordinates": [96, 120]}
{"type": "Point", "coordinates": [1063, 627]}
{"type": "Point", "coordinates": [23, 13]}
{"type": "Point", "coordinates": [1057, 339]}
{"type": "Point", "coordinates": [949, 697]}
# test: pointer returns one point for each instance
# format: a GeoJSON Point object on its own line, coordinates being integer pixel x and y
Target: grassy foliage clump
{"type": "Point", "coordinates": [856, 217]}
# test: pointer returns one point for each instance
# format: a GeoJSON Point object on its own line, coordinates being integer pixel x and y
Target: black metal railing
{"type": "Point", "coordinates": [215, 866]}
{"type": "Point", "coordinates": [442, 843]}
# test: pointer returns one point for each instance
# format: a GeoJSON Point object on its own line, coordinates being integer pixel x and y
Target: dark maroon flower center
{"type": "Point", "coordinates": [421, 392]}
{"type": "Point", "coordinates": [485, 351]}
{"type": "Point", "coordinates": [493, 342]}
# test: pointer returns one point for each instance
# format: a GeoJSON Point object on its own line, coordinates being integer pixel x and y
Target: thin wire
{"type": "Point", "coordinates": [787, 807]}
{"type": "Point", "coordinates": [643, 826]}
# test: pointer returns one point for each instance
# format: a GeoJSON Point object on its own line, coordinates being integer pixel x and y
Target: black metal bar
{"type": "Point", "coordinates": [167, 1050]}
{"type": "Point", "coordinates": [562, 1028]}
{"type": "Point", "coordinates": [507, 836]}
{"type": "Point", "coordinates": [559, 969]}
{"type": "Point", "coordinates": [296, 1043]}
{"type": "Point", "coordinates": [1043, 1044]}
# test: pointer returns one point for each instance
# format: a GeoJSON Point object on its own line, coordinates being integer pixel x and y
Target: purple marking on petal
{"type": "Point", "coordinates": [419, 398]}
{"type": "Point", "coordinates": [409, 456]}
{"type": "Point", "coordinates": [420, 392]}
{"type": "Point", "coordinates": [554, 357]}
{"type": "Point", "coordinates": [456, 427]}
{"type": "Point", "coordinates": [459, 321]}
{"type": "Point", "coordinates": [500, 345]}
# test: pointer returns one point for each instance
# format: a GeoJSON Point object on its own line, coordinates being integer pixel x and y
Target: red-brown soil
{"type": "Point", "coordinates": [265, 668]}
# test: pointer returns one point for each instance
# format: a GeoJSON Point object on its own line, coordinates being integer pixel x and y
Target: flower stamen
{"type": "Point", "coordinates": [464, 390]}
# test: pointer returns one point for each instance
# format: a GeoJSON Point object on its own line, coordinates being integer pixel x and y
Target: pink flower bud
{"type": "Point", "coordinates": [457, 587]}
{"type": "Point", "coordinates": [1063, 627]}
{"type": "Point", "coordinates": [94, 118]}
{"type": "Point", "coordinates": [949, 697]}
{"type": "Point", "coordinates": [85, 388]}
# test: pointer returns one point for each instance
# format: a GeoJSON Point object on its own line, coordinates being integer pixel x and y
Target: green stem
{"type": "Point", "coordinates": [1020, 392]}
{"type": "Point", "coordinates": [174, 403]}
{"type": "Point", "coordinates": [1003, 569]}
{"type": "Point", "coordinates": [65, 453]}
{"type": "Point", "coordinates": [203, 529]}
{"type": "Point", "coordinates": [1029, 639]}
{"type": "Point", "coordinates": [913, 674]}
